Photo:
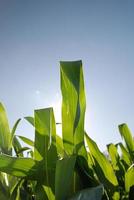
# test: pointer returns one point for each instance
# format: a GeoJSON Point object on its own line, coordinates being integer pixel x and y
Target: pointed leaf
{"type": "Point", "coordinates": [23, 149]}
{"type": "Point", "coordinates": [45, 145]}
{"type": "Point", "coordinates": [125, 155]}
{"type": "Point", "coordinates": [14, 130]}
{"type": "Point", "coordinates": [42, 132]}
{"type": "Point", "coordinates": [103, 169]}
{"type": "Point", "coordinates": [15, 192]}
{"type": "Point", "coordinates": [26, 140]}
{"type": "Point", "coordinates": [17, 146]}
{"type": "Point", "coordinates": [113, 155]}
{"type": "Point", "coordinates": [127, 136]}
{"type": "Point", "coordinates": [73, 107]}
{"type": "Point", "coordinates": [5, 135]}
{"type": "Point", "coordinates": [30, 120]}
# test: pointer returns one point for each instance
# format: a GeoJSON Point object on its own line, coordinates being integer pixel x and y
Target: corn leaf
{"type": "Point", "coordinates": [127, 136]}
{"type": "Point", "coordinates": [15, 192]}
{"type": "Point", "coordinates": [125, 157]}
{"type": "Point", "coordinates": [23, 149]}
{"type": "Point", "coordinates": [30, 120]}
{"type": "Point", "coordinates": [103, 169]}
{"type": "Point", "coordinates": [73, 107]}
{"type": "Point", "coordinates": [112, 149]}
{"type": "Point", "coordinates": [20, 167]}
{"type": "Point", "coordinates": [42, 132]}
{"type": "Point", "coordinates": [49, 192]}
{"type": "Point", "coordinates": [129, 178]}
{"type": "Point", "coordinates": [26, 140]}
{"type": "Point", "coordinates": [60, 147]}
{"type": "Point", "coordinates": [14, 130]}
{"type": "Point", "coordinates": [64, 173]}
{"type": "Point", "coordinates": [40, 192]}
{"type": "Point", "coordinates": [116, 163]}
{"type": "Point", "coordinates": [94, 193]}
{"type": "Point", "coordinates": [45, 147]}
{"type": "Point", "coordinates": [5, 135]}
{"type": "Point", "coordinates": [4, 193]}
{"type": "Point", "coordinates": [17, 146]}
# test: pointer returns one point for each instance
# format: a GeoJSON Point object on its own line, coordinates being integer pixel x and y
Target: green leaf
{"type": "Point", "coordinates": [42, 132]}
{"type": "Point", "coordinates": [4, 191]}
{"type": "Point", "coordinates": [73, 107]}
{"type": "Point", "coordinates": [17, 146]}
{"type": "Point", "coordinates": [45, 132]}
{"type": "Point", "coordinates": [64, 173]}
{"type": "Point", "coordinates": [86, 174]}
{"type": "Point", "coordinates": [116, 163]}
{"type": "Point", "coordinates": [112, 149]}
{"type": "Point", "coordinates": [40, 192]}
{"type": "Point", "coordinates": [15, 192]}
{"type": "Point", "coordinates": [127, 136]}
{"type": "Point", "coordinates": [125, 155]}
{"type": "Point", "coordinates": [20, 167]}
{"type": "Point", "coordinates": [103, 169]}
{"type": "Point", "coordinates": [30, 120]}
{"type": "Point", "coordinates": [45, 146]}
{"type": "Point", "coordinates": [101, 160]}
{"type": "Point", "coordinates": [26, 140]}
{"type": "Point", "coordinates": [129, 178]}
{"type": "Point", "coordinates": [14, 130]}
{"type": "Point", "coordinates": [49, 192]}
{"type": "Point", "coordinates": [5, 135]}
{"type": "Point", "coordinates": [60, 147]}
{"type": "Point", "coordinates": [23, 149]}
{"type": "Point", "coordinates": [94, 193]}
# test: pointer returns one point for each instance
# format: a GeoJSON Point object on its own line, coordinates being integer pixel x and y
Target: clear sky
{"type": "Point", "coordinates": [36, 34]}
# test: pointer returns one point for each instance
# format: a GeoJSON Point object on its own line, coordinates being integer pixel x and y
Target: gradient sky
{"type": "Point", "coordinates": [36, 35]}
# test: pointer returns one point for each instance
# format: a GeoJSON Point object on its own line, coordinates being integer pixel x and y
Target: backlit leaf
{"type": "Point", "coordinates": [26, 140]}
{"type": "Point", "coordinates": [129, 178]}
{"type": "Point", "coordinates": [103, 169]}
{"type": "Point", "coordinates": [5, 135]}
{"type": "Point", "coordinates": [20, 167]}
{"type": "Point", "coordinates": [73, 107]}
{"type": "Point", "coordinates": [127, 136]}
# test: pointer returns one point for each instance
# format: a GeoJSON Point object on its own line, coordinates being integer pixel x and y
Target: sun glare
{"type": "Point", "coordinates": [57, 113]}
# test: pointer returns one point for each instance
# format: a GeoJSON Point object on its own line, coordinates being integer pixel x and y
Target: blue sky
{"type": "Point", "coordinates": [36, 35]}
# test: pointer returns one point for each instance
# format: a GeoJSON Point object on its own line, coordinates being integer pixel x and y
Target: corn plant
{"type": "Point", "coordinates": [57, 168]}
{"type": "Point", "coordinates": [63, 168]}
{"type": "Point", "coordinates": [116, 172]}
{"type": "Point", "coordinates": [8, 144]}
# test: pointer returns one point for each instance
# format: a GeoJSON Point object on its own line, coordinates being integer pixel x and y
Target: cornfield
{"type": "Point", "coordinates": [64, 168]}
